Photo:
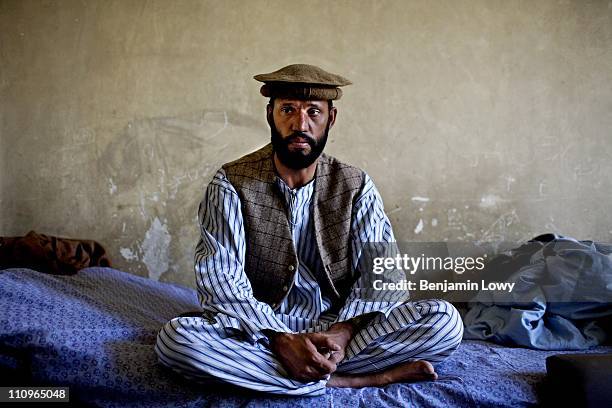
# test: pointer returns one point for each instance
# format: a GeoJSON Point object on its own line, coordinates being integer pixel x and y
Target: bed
{"type": "Point", "coordinates": [94, 332]}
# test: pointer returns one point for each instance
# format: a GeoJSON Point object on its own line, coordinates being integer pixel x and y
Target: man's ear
{"type": "Point", "coordinates": [332, 116]}
{"type": "Point", "coordinates": [269, 114]}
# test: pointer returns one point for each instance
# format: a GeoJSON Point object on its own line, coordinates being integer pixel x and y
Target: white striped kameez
{"type": "Point", "coordinates": [231, 347]}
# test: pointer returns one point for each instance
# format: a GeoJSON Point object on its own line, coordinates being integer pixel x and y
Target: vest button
{"type": "Point", "coordinates": [291, 268]}
{"type": "Point", "coordinates": [285, 288]}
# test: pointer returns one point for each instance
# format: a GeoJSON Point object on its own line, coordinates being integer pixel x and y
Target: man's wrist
{"type": "Point", "coordinates": [347, 327]}
{"type": "Point", "coordinates": [270, 334]}
{"type": "Point", "coordinates": [361, 321]}
{"type": "Point", "coordinates": [273, 335]}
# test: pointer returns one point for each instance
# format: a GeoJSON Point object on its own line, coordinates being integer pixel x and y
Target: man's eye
{"type": "Point", "coordinates": [314, 112]}
{"type": "Point", "coordinates": [286, 109]}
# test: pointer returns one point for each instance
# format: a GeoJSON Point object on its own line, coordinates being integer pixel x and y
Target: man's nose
{"type": "Point", "coordinates": [301, 122]}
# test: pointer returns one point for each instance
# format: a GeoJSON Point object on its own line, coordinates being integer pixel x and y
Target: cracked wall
{"type": "Point", "coordinates": [478, 120]}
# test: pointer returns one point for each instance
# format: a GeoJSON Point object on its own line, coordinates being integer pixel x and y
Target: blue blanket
{"type": "Point", "coordinates": [562, 296]}
{"type": "Point", "coordinates": [95, 332]}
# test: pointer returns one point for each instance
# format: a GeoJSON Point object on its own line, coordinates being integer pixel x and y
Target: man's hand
{"type": "Point", "coordinates": [300, 356]}
{"type": "Point", "coordinates": [339, 334]}
{"type": "Point", "coordinates": [311, 356]}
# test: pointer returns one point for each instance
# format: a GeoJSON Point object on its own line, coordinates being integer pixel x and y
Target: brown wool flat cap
{"type": "Point", "coordinates": [302, 81]}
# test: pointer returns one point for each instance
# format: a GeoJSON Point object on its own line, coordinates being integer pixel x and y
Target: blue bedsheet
{"type": "Point", "coordinates": [95, 332]}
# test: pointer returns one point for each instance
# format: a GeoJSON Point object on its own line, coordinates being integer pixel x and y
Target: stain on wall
{"type": "Point", "coordinates": [478, 120]}
{"type": "Point", "coordinates": [156, 171]}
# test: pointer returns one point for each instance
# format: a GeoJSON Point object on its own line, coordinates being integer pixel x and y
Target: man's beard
{"type": "Point", "coordinates": [297, 160]}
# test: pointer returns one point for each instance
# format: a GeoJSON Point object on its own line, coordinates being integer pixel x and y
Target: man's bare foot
{"type": "Point", "coordinates": [419, 370]}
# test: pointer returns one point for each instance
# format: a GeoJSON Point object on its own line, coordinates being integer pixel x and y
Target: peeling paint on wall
{"type": "Point", "coordinates": [128, 254]}
{"type": "Point", "coordinates": [488, 201]}
{"type": "Point", "coordinates": [112, 186]}
{"type": "Point", "coordinates": [156, 248]}
{"type": "Point", "coordinates": [419, 227]}
{"type": "Point", "coordinates": [156, 169]}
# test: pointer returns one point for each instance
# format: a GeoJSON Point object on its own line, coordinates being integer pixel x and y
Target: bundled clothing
{"type": "Point", "coordinates": [51, 254]}
{"type": "Point", "coordinates": [562, 298]}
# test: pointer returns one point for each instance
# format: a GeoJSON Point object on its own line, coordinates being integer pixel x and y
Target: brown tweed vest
{"type": "Point", "coordinates": [271, 260]}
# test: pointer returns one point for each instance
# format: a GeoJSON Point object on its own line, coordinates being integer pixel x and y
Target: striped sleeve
{"type": "Point", "coordinates": [222, 284]}
{"type": "Point", "coordinates": [370, 224]}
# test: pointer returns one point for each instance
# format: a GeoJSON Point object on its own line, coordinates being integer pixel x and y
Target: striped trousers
{"type": "Point", "coordinates": [422, 330]}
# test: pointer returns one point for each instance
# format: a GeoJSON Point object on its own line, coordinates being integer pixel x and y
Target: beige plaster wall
{"type": "Point", "coordinates": [477, 119]}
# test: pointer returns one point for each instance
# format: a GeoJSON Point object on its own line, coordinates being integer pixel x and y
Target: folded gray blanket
{"type": "Point", "coordinates": [562, 297]}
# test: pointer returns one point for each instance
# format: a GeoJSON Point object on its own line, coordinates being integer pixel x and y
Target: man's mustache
{"type": "Point", "coordinates": [299, 135]}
